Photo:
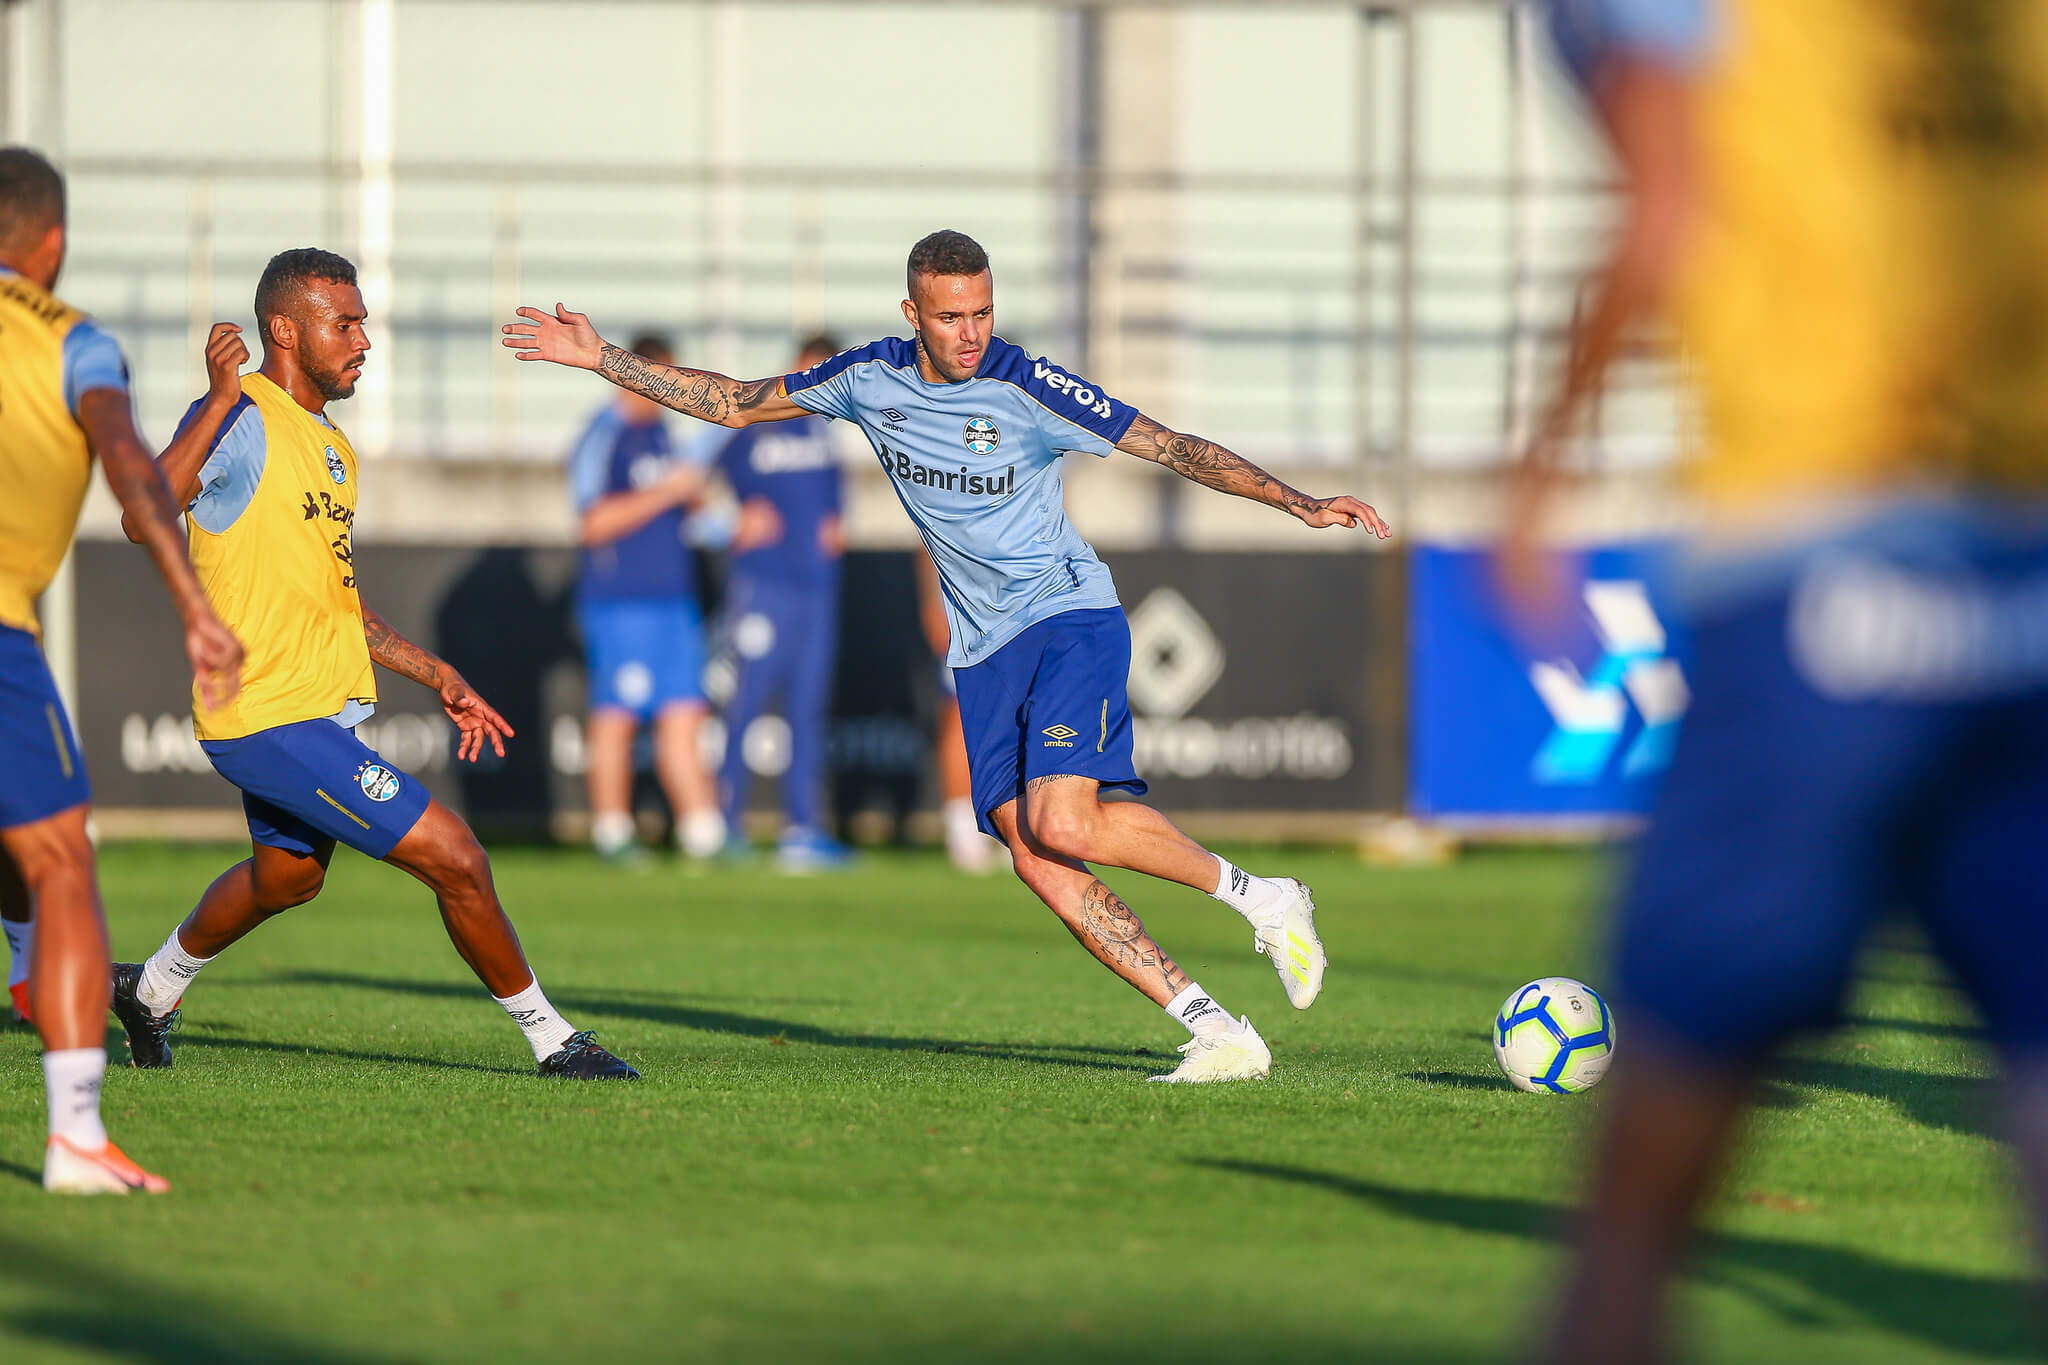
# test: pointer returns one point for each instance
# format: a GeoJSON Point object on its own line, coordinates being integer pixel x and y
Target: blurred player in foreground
{"type": "Point", "coordinates": [270, 486]}
{"type": "Point", "coordinates": [64, 400]}
{"type": "Point", "coordinates": [636, 606]}
{"type": "Point", "coordinates": [972, 431]}
{"type": "Point", "coordinates": [782, 616]}
{"type": "Point", "coordinates": [1845, 205]}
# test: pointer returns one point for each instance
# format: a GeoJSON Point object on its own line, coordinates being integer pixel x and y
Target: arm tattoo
{"type": "Point", "coordinates": [399, 654]}
{"type": "Point", "coordinates": [699, 393]}
{"type": "Point", "coordinates": [1209, 464]}
{"type": "Point", "coordinates": [1113, 933]}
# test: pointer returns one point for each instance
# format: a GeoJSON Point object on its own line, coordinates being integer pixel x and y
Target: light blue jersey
{"type": "Point", "coordinates": [977, 466]}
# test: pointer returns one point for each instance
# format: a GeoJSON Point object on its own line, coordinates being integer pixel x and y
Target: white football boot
{"type": "Point", "coordinates": [71, 1169]}
{"type": "Point", "coordinates": [1288, 938]}
{"type": "Point", "coordinates": [1232, 1054]}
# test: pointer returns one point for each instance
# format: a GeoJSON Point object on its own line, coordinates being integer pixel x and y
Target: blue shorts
{"type": "Point", "coordinates": [643, 654]}
{"type": "Point", "coordinates": [45, 773]}
{"type": "Point", "coordinates": [1050, 701]}
{"type": "Point", "coordinates": [1872, 737]}
{"type": "Point", "coordinates": [311, 783]}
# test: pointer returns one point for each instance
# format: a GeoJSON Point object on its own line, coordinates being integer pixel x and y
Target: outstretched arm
{"type": "Point", "coordinates": [1213, 466]}
{"type": "Point", "coordinates": [472, 715]}
{"type": "Point", "coordinates": [567, 338]}
{"type": "Point", "coordinates": [109, 425]}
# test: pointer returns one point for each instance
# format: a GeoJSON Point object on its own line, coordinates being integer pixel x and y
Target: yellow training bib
{"type": "Point", "coordinates": [45, 463]}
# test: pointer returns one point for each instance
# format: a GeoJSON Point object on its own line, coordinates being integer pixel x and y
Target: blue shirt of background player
{"type": "Point", "coordinates": [617, 456]}
{"type": "Point", "coordinates": [791, 465]}
{"type": "Point", "coordinates": [977, 466]}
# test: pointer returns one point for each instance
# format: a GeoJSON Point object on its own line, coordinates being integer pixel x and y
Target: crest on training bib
{"type": "Point", "coordinates": [335, 469]}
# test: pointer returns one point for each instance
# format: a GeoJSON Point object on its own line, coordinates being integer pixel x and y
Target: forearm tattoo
{"type": "Point", "coordinates": [1211, 465]}
{"type": "Point", "coordinates": [1114, 934]}
{"type": "Point", "coordinates": [399, 654]}
{"type": "Point", "coordinates": [699, 393]}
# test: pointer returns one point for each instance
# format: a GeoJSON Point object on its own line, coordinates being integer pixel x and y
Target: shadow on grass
{"type": "Point", "coordinates": [1459, 1080]}
{"type": "Point", "coordinates": [87, 1307]}
{"type": "Point", "coordinates": [670, 1011]}
{"type": "Point", "coordinates": [1973, 1032]}
{"type": "Point", "coordinates": [1960, 1104]}
{"type": "Point", "coordinates": [203, 1036]}
{"type": "Point", "coordinates": [1977, 1314]}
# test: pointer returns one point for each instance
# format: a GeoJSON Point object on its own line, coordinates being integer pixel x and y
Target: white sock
{"type": "Point", "coordinates": [701, 833]}
{"type": "Point", "coordinates": [966, 845]}
{"type": "Point", "coordinates": [546, 1031]}
{"type": "Point", "coordinates": [72, 1078]}
{"type": "Point", "coordinates": [20, 938]}
{"type": "Point", "coordinates": [1252, 897]}
{"type": "Point", "coordinates": [1197, 1013]}
{"type": "Point", "coordinates": [611, 830]}
{"type": "Point", "coordinates": [167, 975]}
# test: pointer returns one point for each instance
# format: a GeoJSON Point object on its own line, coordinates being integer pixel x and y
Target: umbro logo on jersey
{"type": "Point", "coordinates": [1059, 736]}
{"type": "Point", "coordinates": [892, 418]}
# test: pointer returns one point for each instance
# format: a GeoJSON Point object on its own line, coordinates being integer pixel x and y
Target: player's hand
{"type": "Point", "coordinates": [475, 718]}
{"type": "Point", "coordinates": [1342, 511]}
{"type": "Point", "coordinates": [562, 336]}
{"type": "Point", "coordinates": [216, 657]}
{"type": "Point", "coordinates": [759, 524]}
{"type": "Point", "coordinates": [226, 354]}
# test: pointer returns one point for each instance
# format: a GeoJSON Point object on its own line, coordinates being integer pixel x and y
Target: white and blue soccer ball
{"type": "Point", "coordinates": [1554, 1037]}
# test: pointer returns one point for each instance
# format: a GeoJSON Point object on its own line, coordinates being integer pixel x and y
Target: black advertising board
{"type": "Point", "coordinates": [1250, 681]}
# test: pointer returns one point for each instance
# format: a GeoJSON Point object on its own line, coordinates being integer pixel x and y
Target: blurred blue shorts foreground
{"type": "Point", "coordinates": [1868, 732]}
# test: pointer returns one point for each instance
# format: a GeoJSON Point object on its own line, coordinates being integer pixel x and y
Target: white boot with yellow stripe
{"type": "Point", "coordinates": [1287, 935]}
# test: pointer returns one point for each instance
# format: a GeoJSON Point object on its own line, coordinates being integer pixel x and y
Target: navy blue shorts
{"type": "Point", "coordinates": [39, 755]}
{"type": "Point", "coordinates": [1872, 738]}
{"type": "Point", "coordinates": [1050, 701]}
{"type": "Point", "coordinates": [643, 654]}
{"type": "Point", "coordinates": [311, 783]}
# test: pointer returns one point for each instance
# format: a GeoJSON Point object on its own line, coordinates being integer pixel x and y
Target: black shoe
{"type": "Point", "coordinates": [581, 1059]}
{"type": "Point", "coordinates": [148, 1034]}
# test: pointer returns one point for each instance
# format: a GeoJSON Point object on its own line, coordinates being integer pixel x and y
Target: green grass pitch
{"type": "Point", "coordinates": [898, 1115]}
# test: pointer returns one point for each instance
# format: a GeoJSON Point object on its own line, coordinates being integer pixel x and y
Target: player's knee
{"type": "Point", "coordinates": [465, 867]}
{"type": "Point", "coordinates": [284, 890]}
{"type": "Point", "coordinates": [1063, 831]}
{"type": "Point", "coordinates": [61, 857]}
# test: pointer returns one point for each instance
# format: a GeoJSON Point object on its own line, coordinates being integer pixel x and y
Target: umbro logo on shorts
{"type": "Point", "coordinates": [1059, 736]}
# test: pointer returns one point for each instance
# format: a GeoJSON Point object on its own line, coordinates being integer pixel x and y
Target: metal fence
{"type": "Point", "coordinates": [1343, 234]}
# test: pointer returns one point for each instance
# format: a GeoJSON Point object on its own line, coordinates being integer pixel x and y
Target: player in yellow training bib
{"type": "Point", "coordinates": [64, 399]}
{"type": "Point", "coordinates": [269, 483]}
{"type": "Point", "coordinates": [1845, 204]}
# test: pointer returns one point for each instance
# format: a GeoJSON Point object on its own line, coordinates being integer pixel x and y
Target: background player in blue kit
{"type": "Point", "coordinates": [972, 432]}
{"type": "Point", "coordinates": [643, 631]}
{"type": "Point", "coordinates": [782, 614]}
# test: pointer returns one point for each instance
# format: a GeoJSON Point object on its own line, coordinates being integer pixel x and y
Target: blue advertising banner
{"type": "Point", "coordinates": [1584, 729]}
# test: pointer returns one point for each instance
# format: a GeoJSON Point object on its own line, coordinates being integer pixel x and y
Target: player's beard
{"type": "Point", "coordinates": [949, 373]}
{"type": "Point", "coordinates": [333, 384]}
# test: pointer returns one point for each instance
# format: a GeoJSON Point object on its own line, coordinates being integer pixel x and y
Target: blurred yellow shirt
{"type": "Point", "coordinates": [45, 463]}
{"type": "Point", "coordinates": [1866, 304]}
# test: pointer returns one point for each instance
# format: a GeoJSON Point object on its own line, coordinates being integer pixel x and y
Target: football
{"type": "Point", "coordinates": [1554, 1036]}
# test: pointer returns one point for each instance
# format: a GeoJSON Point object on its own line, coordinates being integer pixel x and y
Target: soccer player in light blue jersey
{"type": "Point", "coordinates": [972, 432]}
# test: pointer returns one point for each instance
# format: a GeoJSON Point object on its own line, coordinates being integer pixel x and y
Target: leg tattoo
{"type": "Point", "coordinates": [1114, 934]}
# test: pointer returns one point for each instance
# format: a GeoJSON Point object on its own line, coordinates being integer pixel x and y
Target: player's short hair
{"type": "Point", "coordinates": [284, 280]}
{"type": "Point", "coordinates": [819, 343]}
{"type": "Point", "coordinates": [944, 252]}
{"type": "Point", "coordinates": [653, 346]}
{"type": "Point", "coordinates": [31, 196]}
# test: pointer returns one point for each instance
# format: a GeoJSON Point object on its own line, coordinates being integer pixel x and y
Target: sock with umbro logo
{"type": "Point", "coordinates": [1194, 1010]}
{"type": "Point", "coordinates": [1257, 899]}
